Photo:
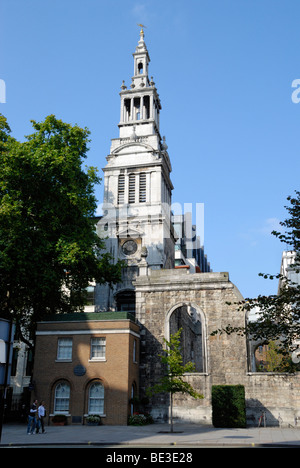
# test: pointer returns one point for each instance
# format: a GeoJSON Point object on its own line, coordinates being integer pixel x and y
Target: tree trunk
{"type": "Point", "coordinates": [171, 411]}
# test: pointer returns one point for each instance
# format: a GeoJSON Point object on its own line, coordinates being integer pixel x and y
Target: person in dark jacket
{"type": "Point", "coordinates": [32, 418]}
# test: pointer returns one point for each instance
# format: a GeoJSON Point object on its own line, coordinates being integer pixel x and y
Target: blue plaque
{"type": "Point", "coordinates": [79, 370]}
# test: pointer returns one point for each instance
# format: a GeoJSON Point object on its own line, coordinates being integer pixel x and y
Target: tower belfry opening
{"type": "Point", "coordinates": [141, 68]}
{"type": "Point", "coordinates": [140, 102]}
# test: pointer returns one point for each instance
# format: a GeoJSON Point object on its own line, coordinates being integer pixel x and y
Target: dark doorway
{"type": "Point", "coordinates": [126, 301]}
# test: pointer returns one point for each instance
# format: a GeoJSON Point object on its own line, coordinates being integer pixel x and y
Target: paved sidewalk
{"type": "Point", "coordinates": [154, 435]}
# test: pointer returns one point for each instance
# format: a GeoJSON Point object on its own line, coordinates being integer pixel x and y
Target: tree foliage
{"type": "Point", "coordinates": [49, 249]}
{"type": "Point", "coordinates": [274, 361]}
{"type": "Point", "coordinates": [278, 319]}
{"type": "Point", "coordinates": [291, 236]}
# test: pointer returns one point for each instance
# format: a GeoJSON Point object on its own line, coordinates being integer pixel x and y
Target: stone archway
{"type": "Point", "coordinates": [191, 319]}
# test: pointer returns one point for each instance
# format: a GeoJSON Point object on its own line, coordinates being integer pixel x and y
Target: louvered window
{"type": "Point", "coordinates": [121, 189]}
{"type": "Point", "coordinates": [131, 189]}
{"type": "Point", "coordinates": [142, 188]}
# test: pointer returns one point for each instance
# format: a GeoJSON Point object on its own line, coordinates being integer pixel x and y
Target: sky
{"type": "Point", "coordinates": [226, 72]}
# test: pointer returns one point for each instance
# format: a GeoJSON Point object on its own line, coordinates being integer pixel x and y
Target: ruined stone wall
{"type": "Point", "coordinates": [161, 294]}
{"type": "Point", "coordinates": [275, 395]}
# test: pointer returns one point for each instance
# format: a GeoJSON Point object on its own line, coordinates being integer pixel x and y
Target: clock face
{"type": "Point", "coordinates": [129, 247]}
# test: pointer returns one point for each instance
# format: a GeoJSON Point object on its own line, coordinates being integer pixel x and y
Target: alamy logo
{"type": "Point", "coordinates": [2, 92]}
{"type": "Point", "coordinates": [296, 93]}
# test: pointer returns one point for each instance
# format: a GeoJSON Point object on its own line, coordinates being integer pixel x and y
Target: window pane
{"type": "Point", "coordinates": [64, 350]}
{"type": "Point", "coordinates": [98, 346]}
{"type": "Point", "coordinates": [96, 399]}
{"type": "Point", "coordinates": [62, 398]}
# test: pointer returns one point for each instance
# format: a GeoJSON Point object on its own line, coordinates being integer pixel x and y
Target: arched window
{"type": "Point", "coordinates": [62, 398]}
{"type": "Point", "coordinates": [193, 343]}
{"type": "Point", "coordinates": [141, 68]}
{"type": "Point", "coordinates": [96, 398]}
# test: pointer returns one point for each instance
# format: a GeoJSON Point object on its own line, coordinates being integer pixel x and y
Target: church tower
{"type": "Point", "coordinates": [137, 186]}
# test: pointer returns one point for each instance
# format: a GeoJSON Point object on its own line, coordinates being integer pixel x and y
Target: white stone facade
{"type": "Point", "coordinates": [137, 185]}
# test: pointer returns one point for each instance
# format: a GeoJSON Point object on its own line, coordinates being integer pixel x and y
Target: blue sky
{"type": "Point", "coordinates": [224, 71]}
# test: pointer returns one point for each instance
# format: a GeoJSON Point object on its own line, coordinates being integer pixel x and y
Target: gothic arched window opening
{"type": "Point", "coordinates": [192, 337]}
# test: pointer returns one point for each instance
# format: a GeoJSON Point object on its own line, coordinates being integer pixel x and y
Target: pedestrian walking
{"type": "Point", "coordinates": [41, 416]}
{"type": "Point", "coordinates": [32, 418]}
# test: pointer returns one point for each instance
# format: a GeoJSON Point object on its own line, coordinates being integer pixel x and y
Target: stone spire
{"type": "Point", "coordinates": [140, 102]}
{"type": "Point", "coordinates": [141, 61]}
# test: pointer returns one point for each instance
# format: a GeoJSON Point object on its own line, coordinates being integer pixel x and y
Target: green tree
{"type": "Point", "coordinates": [274, 361]}
{"type": "Point", "coordinates": [273, 358]}
{"type": "Point", "coordinates": [279, 314]}
{"type": "Point", "coordinates": [49, 249]}
{"type": "Point", "coordinates": [173, 380]}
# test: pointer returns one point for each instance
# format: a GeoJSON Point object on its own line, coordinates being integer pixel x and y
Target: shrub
{"type": "Point", "coordinates": [228, 406]}
{"type": "Point", "coordinates": [94, 419]}
{"type": "Point", "coordinates": [140, 419]}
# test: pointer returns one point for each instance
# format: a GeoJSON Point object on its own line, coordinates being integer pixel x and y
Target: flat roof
{"type": "Point", "coordinates": [86, 316]}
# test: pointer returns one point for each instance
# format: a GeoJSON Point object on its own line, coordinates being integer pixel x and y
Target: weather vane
{"type": "Point", "coordinates": [141, 26]}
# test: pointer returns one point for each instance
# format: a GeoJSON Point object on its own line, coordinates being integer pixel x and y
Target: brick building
{"type": "Point", "coordinates": [87, 364]}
